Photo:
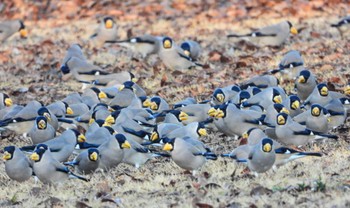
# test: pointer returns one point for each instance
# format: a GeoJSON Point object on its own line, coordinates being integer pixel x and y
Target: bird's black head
{"type": "Point", "coordinates": [96, 90]}
{"type": "Point", "coordinates": [168, 144]}
{"type": "Point", "coordinates": [281, 118]}
{"type": "Point", "coordinates": [94, 154]}
{"type": "Point", "coordinates": [235, 88]}
{"type": "Point", "coordinates": [110, 129]}
{"type": "Point", "coordinates": [322, 89]}
{"type": "Point", "coordinates": [108, 22]}
{"type": "Point", "coordinates": [316, 110]}
{"type": "Point", "coordinates": [41, 122]}
{"type": "Point", "coordinates": [167, 43]}
{"type": "Point", "coordinates": [128, 85]}
{"type": "Point", "coordinates": [39, 152]}
{"type": "Point", "coordinates": [115, 114]}
{"type": "Point", "coordinates": [304, 75]}
{"type": "Point", "coordinates": [294, 101]}
{"type": "Point", "coordinates": [243, 96]}
{"type": "Point", "coordinates": [76, 132]}
{"type": "Point", "coordinates": [256, 90]}
{"type": "Point", "coordinates": [267, 144]}
{"type": "Point", "coordinates": [219, 95]}
{"type": "Point", "coordinates": [123, 142]}
{"type": "Point", "coordinates": [22, 26]}
{"type": "Point", "coordinates": [290, 24]}
{"type": "Point", "coordinates": [278, 107]}
{"type": "Point", "coordinates": [276, 96]}
{"type": "Point", "coordinates": [100, 122]}
{"type": "Point", "coordinates": [8, 152]}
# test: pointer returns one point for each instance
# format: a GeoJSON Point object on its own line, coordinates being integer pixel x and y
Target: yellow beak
{"type": "Point", "coordinates": [324, 91]}
{"type": "Point", "coordinates": [109, 24]}
{"type": "Point", "coordinates": [315, 111]}
{"type": "Point", "coordinates": [285, 110]}
{"type": "Point", "coordinates": [6, 156]}
{"type": "Point", "coordinates": [219, 114]}
{"type": "Point", "coordinates": [35, 156]}
{"type": "Point", "coordinates": [183, 116]}
{"type": "Point", "coordinates": [277, 99]}
{"type": "Point", "coordinates": [147, 103]}
{"type": "Point", "coordinates": [347, 90]}
{"type": "Point", "coordinates": [126, 145]}
{"type": "Point", "coordinates": [93, 156]}
{"type": "Point", "coordinates": [167, 147]}
{"type": "Point", "coordinates": [70, 111]}
{"type": "Point", "coordinates": [220, 97]}
{"type": "Point", "coordinates": [296, 105]}
{"type": "Point", "coordinates": [102, 95]}
{"type": "Point", "coordinates": [23, 33]}
{"type": "Point", "coordinates": [202, 132]}
{"type": "Point", "coordinates": [212, 112]}
{"type": "Point", "coordinates": [91, 121]}
{"type": "Point", "coordinates": [134, 80]}
{"type": "Point", "coordinates": [121, 87]}
{"type": "Point", "coordinates": [245, 135]}
{"type": "Point", "coordinates": [267, 147]}
{"type": "Point", "coordinates": [47, 116]}
{"type": "Point", "coordinates": [281, 120]}
{"type": "Point", "coordinates": [154, 136]}
{"type": "Point", "coordinates": [8, 102]}
{"type": "Point", "coordinates": [154, 106]}
{"type": "Point", "coordinates": [301, 79]}
{"type": "Point", "coordinates": [187, 53]}
{"type": "Point", "coordinates": [81, 138]}
{"type": "Point", "coordinates": [42, 124]}
{"type": "Point", "coordinates": [110, 120]}
{"type": "Point", "coordinates": [167, 44]}
{"type": "Point", "coordinates": [293, 30]}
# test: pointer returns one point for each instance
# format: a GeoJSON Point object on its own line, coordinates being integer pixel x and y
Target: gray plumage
{"type": "Point", "coordinates": [42, 131]}
{"type": "Point", "coordinates": [8, 28]}
{"type": "Point", "coordinates": [191, 48]}
{"type": "Point", "coordinates": [17, 166]}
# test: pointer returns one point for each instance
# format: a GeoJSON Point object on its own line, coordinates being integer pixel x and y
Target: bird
{"type": "Point", "coordinates": [60, 109]}
{"type": "Point", "coordinates": [86, 162]}
{"type": "Point", "coordinates": [62, 146]}
{"type": "Point", "coordinates": [195, 112]}
{"type": "Point", "coordinates": [184, 102]}
{"type": "Point", "coordinates": [74, 50]}
{"type": "Point", "coordinates": [236, 121]}
{"type": "Point", "coordinates": [126, 96]}
{"type": "Point", "coordinates": [158, 104]}
{"type": "Point", "coordinates": [337, 112]}
{"type": "Point", "coordinates": [316, 118]}
{"type": "Point", "coordinates": [22, 121]}
{"type": "Point", "coordinates": [272, 35]}
{"type": "Point", "coordinates": [193, 130]}
{"type": "Point", "coordinates": [162, 130]}
{"type": "Point", "coordinates": [261, 81]}
{"type": "Point", "coordinates": [8, 28]}
{"type": "Point", "coordinates": [173, 56]}
{"type": "Point", "coordinates": [145, 45]}
{"type": "Point", "coordinates": [48, 169]}
{"type": "Point", "coordinates": [259, 157]}
{"type": "Point", "coordinates": [272, 111]}
{"type": "Point", "coordinates": [5, 101]}
{"type": "Point", "coordinates": [320, 95]}
{"type": "Point", "coordinates": [265, 98]}
{"type": "Point", "coordinates": [305, 83]}
{"type": "Point", "coordinates": [188, 153]}
{"type": "Point", "coordinates": [290, 65]}
{"type": "Point", "coordinates": [17, 165]}
{"type": "Point", "coordinates": [42, 131]}
{"type": "Point", "coordinates": [106, 31]}
{"type": "Point", "coordinates": [289, 132]}
{"type": "Point", "coordinates": [191, 48]}
{"type": "Point", "coordinates": [112, 152]}
{"type": "Point", "coordinates": [342, 25]}
{"type": "Point", "coordinates": [241, 97]}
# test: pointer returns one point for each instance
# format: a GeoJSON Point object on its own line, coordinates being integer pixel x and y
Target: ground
{"type": "Point", "coordinates": [29, 69]}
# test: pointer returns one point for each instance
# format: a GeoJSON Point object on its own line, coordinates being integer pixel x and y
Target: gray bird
{"type": "Point", "coordinates": [291, 64]}
{"type": "Point", "coordinates": [271, 113]}
{"type": "Point", "coordinates": [62, 147]}
{"type": "Point", "coordinates": [74, 50]}
{"type": "Point", "coordinates": [285, 155]}
{"type": "Point", "coordinates": [188, 153]}
{"type": "Point", "coordinates": [316, 118]}
{"type": "Point", "coordinates": [191, 48]}
{"type": "Point", "coordinates": [193, 130]}
{"type": "Point", "coordinates": [158, 104]}
{"type": "Point", "coordinates": [17, 166]}
{"type": "Point", "coordinates": [99, 135]}
{"type": "Point", "coordinates": [320, 95]}
{"type": "Point", "coordinates": [337, 112]}
{"type": "Point", "coordinates": [23, 121]}
{"type": "Point", "coordinates": [289, 132]}
{"type": "Point", "coordinates": [259, 157]}
{"type": "Point", "coordinates": [260, 81]}
{"type": "Point", "coordinates": [305, 83]}
{"type": "Point", "coordinates": [265, 98]}
{"type": "Point", "coordinates": [60, 109]}
{"type": "Point", "coordinates": [195, 113]}
{"type": "Point", "coordinates": [73, 98]}
{"type": "Point", "coordinates": [48, 169]}
{"type": "Point", "coordinates": [273, 35]}
{"type": "Point", "coordinates": [42, 131]}
{"type": "Point", "coordinates": [145, 45]}
{"type": "Point", "coordinates": [237, 121]}
{"type": "Point", "coordinates": [174, 57]}
{"type": "Point", "coordinates": [112, 152]}
{"type": "Point", "coordinates": [86, 162]}
{"type": "Point", "coordinates": [126, 96]}
{"type": "Point", "coordinates": [106, 31]}
{"type": "Point", "coordinates": [241, 97]}
{"type": "Point", "coordinates": [185, 102]}
{"type": "Point", "coordinates": [8, 28]}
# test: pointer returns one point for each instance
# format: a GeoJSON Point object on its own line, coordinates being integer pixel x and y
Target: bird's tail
{"type": "Point", "coordinates": [73, 175]}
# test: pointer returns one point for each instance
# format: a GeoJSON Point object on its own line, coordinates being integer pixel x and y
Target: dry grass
{"type": "Point", "coordinates": [34, 62]}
